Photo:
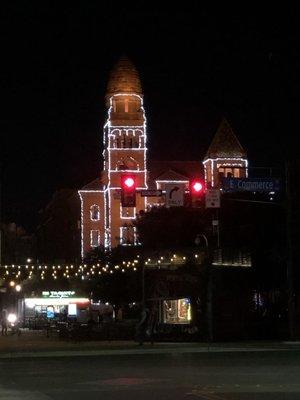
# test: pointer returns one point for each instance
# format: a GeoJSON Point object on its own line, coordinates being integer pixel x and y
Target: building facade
{"type": "Point", "coordinates": [104, 222]}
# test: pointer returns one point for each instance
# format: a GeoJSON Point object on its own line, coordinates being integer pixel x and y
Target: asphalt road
{"type": "Point", "coordinates": [208, 376]}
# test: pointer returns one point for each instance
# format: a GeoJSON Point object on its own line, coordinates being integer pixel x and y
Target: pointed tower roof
{"type": "Point", "coordinates": [123, 78]}
{"type": "Point", "coordinates": [225, 144]}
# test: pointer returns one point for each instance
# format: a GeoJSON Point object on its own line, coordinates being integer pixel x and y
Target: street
{"type": "Point", "coordinates": [222, 375]}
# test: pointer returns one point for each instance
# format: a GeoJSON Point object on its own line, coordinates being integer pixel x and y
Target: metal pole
{"type": "Point", "coordinates": [143, 284]}
{"type": "Point", "coordinates": [210, 295]}
{"type": "Point", "coordinates": [0, 223]}
{"type": "Point", "coordinates": [289, 251]}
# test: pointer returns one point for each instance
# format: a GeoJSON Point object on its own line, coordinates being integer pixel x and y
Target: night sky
{"type": "Point", "coordinates": [195, 64]}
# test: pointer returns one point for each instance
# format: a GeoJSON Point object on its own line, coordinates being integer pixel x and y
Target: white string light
{"type": "Point", "coordinates": [228, 161]}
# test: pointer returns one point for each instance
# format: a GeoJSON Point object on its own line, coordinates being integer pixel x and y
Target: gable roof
{"type": "Point", "coordinates": [93, 185]}
{"type": "Point", "coordinates": [171, 175]}
{"type": "Point", "coordinates": [162, 170]}
{"type": "Point", "coordinates": [225, 144]}
{"type": "Point", "coordinates": [177, 170]}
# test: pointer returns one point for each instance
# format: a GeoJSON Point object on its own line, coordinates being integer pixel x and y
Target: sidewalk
{"type": "Point", "coordinates": [36, 344]}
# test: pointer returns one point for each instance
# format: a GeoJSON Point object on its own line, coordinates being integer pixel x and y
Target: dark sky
{"type": "Point", "coordinates": [195, 64]}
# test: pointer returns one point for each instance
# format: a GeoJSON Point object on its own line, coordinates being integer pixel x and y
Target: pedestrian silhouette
{"type": "Point", "coordinates": [141, 327]}
{"type": "Point", "coordinates": [4, 322]}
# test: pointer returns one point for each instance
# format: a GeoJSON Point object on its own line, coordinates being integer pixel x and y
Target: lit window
{"type": "Point", "coordinates": [177, 311]}
{"type": "Point", "coordinates": [126, 105]}
{"type": "Point", "coordinates": [229, 172]}
{"type": "Point", "coordinates": [128, 235]}
{"type": "Point", "coordinates": [95, 212]}
{"type": "Point", "coordinates": [236, 172]}
{"type": "Point", "coordinates": [95, 238]}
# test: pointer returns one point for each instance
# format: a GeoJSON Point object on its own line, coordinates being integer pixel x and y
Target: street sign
{"type": "Point", "coordinates": [174, 195]}
{"type": "Point", "coordinates": [250, 185]}
{"type": "Point", "coordinates": [151, 193]}
{"type": "Point", "coordinates": [212, 198]}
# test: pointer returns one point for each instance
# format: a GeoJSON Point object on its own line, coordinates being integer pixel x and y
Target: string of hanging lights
{"type": "Point", "coordinates": [22, 272]}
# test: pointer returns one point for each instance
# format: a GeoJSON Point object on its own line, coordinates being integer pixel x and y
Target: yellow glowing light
{"type": "Point", "coordinates": [18, 288]}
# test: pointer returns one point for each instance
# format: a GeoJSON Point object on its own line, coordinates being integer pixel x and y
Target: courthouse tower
{"type": "Point", "coordinates": [104, 222]}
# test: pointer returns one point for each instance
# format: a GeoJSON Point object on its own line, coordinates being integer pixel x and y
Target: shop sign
{"type": "Point", "coordinates": [53, 294]}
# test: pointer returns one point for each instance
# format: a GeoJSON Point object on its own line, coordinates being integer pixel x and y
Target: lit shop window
{"type": "Point", "coordinates": [95, 212]}
{"type": "Point", "coordinates": [177, 311]}
{"type": "Point", "coordinates": [95, 238]}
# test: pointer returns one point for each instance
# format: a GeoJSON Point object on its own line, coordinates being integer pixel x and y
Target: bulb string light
{"type": "Point", "coordinates": [9, 273]}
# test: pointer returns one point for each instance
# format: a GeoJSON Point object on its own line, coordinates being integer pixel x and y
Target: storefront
{"type": "Point", "coordinates": [51, 305]}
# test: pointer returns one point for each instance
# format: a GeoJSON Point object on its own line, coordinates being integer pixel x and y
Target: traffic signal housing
{"type": "Point", "coordinates": [128, 189]}
{"type": "Point", "coordinates": [197, 191]}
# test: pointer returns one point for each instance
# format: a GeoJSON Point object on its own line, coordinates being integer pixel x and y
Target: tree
{"type": "Point", "coordinates": [171, 228]}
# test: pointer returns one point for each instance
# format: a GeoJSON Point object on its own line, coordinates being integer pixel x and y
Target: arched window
{"type": "Point", "coordinates": [95, 212]}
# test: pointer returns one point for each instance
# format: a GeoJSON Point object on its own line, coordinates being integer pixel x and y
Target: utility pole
{"type": "Point", "coordinates": [289, 255]}
{"type": "Point", "coordinates": [143, 283]}
{"type": "Point", "coordinates": [0, 224]}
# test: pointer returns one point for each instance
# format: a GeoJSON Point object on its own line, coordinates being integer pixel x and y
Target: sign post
{"type": "Point", "coordinates": [212, 198]}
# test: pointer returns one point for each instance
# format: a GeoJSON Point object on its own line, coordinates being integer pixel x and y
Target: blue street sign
{"type": "Point", "coordinates": [250, 185]}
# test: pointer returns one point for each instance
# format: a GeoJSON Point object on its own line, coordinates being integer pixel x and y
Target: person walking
{"type": "Point", "coordinates": [119, 316]}
{"type": "Point", "coordinates": [152, 323]}
{"type": "Point", "coordinates": [4, 322]}
{"type": "Point", "coordinates": [141, 327]}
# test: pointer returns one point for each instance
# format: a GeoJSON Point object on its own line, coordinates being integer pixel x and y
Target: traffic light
{"type": "Point", "coordinates": [197, 190]}
{"type": "Point", "coordinates": [128, 186]}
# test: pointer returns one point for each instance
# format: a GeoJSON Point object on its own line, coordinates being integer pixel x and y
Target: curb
{"type": "Point", "coordinates": [138, 351]}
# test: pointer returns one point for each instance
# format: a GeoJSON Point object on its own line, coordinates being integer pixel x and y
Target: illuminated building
{"type": "Point", "coordinates": [225, 157]}
{"type": "Point", "coordinates": [104, 222]}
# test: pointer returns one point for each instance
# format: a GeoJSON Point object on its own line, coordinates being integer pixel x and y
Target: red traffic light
{"type": "Point", "coordinates": [129, 182]}
{"type": "Point", "coordinates": [197, 187]}
{"type": "Point", "coordinates": [128, 186]}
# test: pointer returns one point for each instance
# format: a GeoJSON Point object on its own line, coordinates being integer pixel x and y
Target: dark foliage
{"type": "Point", "coordinates": [172, 228]}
